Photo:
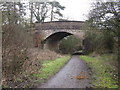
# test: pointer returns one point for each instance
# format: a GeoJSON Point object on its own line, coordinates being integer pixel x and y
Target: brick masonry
{"type": "Point", "coordinates": [48, 28]}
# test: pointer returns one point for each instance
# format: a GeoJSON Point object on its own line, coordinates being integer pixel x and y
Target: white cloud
{"type": "Point", "coordinates": [76, 9]}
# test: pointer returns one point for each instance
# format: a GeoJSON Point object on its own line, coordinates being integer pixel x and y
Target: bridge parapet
{"type": "Point", "coordinates": [56, 25]}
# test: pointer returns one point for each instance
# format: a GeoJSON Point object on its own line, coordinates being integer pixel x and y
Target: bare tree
{"type": "Point", "coordinates": [43, 10]}
{"type": "Point", "coordinates": [39, 11]}
{"type": "Point", "coordinates": [55, 10]}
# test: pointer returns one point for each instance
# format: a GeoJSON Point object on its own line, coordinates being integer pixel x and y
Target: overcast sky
{"type": "Point", "coordinates": [76, 9]}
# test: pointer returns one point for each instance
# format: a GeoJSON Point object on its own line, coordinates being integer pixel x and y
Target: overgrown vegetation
{"type": "Point", "coordinates": [104, 70]}
{"type": "Point", "coordinates": [101, 42]}
{"type": "Point", "coordinates": [15, 51]}
{"type": "Point", "coordinates": [18, 39]}
{"type": "Point", "coordinates": [104, 35]}
{"type": "Point", "coordinates": [15, 42]}
{"type": "Point", "coordinates": [105, 17]}
{"type": "Point", "coordinates": [30, 66]}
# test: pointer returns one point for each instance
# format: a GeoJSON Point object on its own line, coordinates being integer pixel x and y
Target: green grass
{"type": "Point", "coordinates": [50, 67]}
{"type": "Point", "coordinates": [104, 74]}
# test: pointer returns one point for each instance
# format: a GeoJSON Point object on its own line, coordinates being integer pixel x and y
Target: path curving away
{"type": "Point", "coordinates": [66, 77]}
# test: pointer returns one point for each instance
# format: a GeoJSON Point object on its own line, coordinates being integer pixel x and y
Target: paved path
{"type": "Point", "coordinates": [65, 78]}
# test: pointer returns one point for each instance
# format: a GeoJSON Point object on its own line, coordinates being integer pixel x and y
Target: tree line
{"type": "Point", "coordinates": [44, 10]}
{"type": "Point", "coordinates": [15, 12]}
{"type": "Point", "coordinates": [103, 25]}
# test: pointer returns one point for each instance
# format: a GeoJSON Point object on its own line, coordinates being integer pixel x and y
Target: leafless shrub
{"type": "Point", "coordinates": [36, 56]}
{"type": "Point", "coordinates": [15, 42]}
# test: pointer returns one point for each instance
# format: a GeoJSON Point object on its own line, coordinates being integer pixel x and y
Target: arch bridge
{"type": "Point", "coordinates": [53, 32]}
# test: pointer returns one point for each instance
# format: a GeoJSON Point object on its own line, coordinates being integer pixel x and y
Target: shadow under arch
{"type": "Point", "coordinates": [52, 41]}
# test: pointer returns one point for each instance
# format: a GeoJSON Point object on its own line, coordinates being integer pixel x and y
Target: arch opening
{"type": "Point", "coordinates": [53, 41]}
{"type": "Point", "coordinates": [70, 45]}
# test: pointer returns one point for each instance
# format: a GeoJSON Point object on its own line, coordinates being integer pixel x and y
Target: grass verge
{"type": "Point", "coordinates": [104, 71]}
{"type": "Point", "coordinates": [50, 67]}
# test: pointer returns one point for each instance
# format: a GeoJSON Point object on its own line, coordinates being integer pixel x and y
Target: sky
{"type": "Point", "coordinates": [76, 9]}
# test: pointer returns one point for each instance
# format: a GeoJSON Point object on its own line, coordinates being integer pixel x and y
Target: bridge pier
{"type": "Point", "coordinates": [54, 46]}
{"type": "Point", "coordinates": [86, 45]}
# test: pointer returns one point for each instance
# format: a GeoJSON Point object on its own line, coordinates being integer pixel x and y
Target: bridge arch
{"type": "Point", "coordinates": [53, 32]}
{"type": "Point", "coordinates": [52, 41]}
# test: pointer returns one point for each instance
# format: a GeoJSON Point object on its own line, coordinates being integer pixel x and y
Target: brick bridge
{"type": "Point", "coordinates": [52, 32]}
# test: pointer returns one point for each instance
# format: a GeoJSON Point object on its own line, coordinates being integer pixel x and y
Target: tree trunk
{"type": "Point", "coordinates": [15, 14]}
{"type": "Point", "coordinates": [118, 61]}
{"type": "Point", "coordinates": [31, 17]}
{"type": "Point", "coordinates": [52, 14]}
{"type": "Point", "coordinates": [8, 11]}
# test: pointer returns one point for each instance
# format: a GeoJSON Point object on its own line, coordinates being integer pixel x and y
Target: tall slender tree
{"type": "Point", "coordinates": [55, 10]}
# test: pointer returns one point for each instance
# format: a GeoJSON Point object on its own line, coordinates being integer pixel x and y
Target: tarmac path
{"type": "Point", "coordinates": [75, 74]}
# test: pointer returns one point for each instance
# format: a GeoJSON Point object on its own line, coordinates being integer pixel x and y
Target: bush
{"type": "Point", "coordinates": [101, 41]}
{"type": "Point", "coordinates": [15, 42]}
{"type": "Point", "coordinates": [70, 44]}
